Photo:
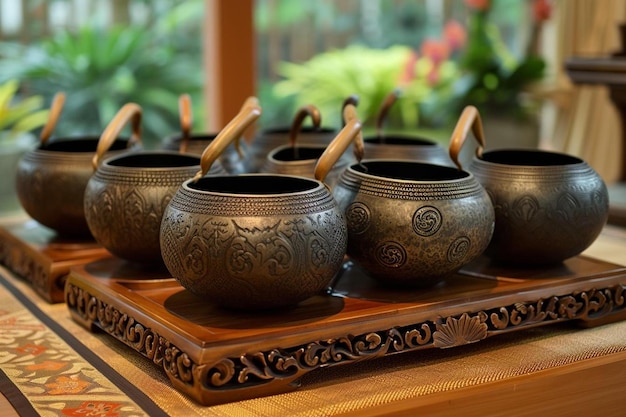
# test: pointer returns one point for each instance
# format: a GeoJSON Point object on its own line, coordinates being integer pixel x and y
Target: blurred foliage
{"type": "Point", "coordinates": [330, 77]}
{"type": "Point", "coordinates": [373, 63]}
{"type": "Point", "coordinates": [19, 114]}
{"type": "Point", "coordinates": [493, 78]}
{"type": "Point", "coordinates": [101, 69]}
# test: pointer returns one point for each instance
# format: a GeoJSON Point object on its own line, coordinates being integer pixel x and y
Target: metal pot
{"type": "Point", "coordinates": [268, 139]}
{"type": "Point", "coordinates": [549, 206]}
{"type": "Point", "coordinates": [51, 179]}
{"type": "Point", "coordinates": [195, 143]}
{"type": "Point", "coordinates": [300, 159]}
{"type": "Point", "coordinates": [402, 146]}
{"type": "Point", "coordinates": [126, 196]}
{"type": "Point", "coordinates": [256, 241]}
{"type": "Point", "coordinates": [413, 223]}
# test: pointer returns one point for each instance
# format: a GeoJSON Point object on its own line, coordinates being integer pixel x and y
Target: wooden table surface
{"type": "Point", "coordinates": [592, 386]}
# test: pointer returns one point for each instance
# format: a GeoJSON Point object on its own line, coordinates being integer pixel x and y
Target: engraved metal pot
{"type": "Point", "coordinates": [299, 159]}
{"type": "Point", "coordinates": [413, 223]}
{"type": "Point", "coordinates": [270, 138]}
{"type": "Point", "coordinates": [402, 146]}
{"type": "Point", "coordinates": [256, 241]}
{"type": "Point", "coordinates": [51, 179]}
{"type": "Point", "coordinates": [232, 159]}
{"type": "Point", "coordinates": [126, 196]}
{"type": "Point", "coordinates": [549, 206]}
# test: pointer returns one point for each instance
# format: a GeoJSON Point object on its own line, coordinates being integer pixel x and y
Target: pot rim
{"type": "Point", "coordinates": [419, 140]}
{"type": "Point", "coordinates": [307, 130]}
{"type": "Point", "coordinates": [85, 139]}
{"type": "Point", "coordinates": [568, 160]}
{"type": "Point", "coordinates": [313, 185]}
{"type": "Point", "coordinates": [298, 162]}
{"type": "Point", "coordinates": [109, 162]}
{"type": "Point", "coordinates": [466, 175]}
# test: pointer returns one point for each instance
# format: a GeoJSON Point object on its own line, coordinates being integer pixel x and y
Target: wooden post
{"type": "Point", "coordinates": [229, 59]}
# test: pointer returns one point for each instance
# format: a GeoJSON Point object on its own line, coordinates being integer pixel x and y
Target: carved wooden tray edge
{"type": "Point", "coordinates": [211, 376]}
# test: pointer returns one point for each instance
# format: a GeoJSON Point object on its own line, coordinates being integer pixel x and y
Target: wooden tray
{"type": "Point", "coordinates": [37, 255]}
{"type": "Point", "coordinates": [216, 356]}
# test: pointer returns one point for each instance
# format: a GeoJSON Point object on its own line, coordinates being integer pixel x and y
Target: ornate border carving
{"type": "Point", "coordinates": [27, 268]}
{"type": "Point", "coordinates": [283, 365]}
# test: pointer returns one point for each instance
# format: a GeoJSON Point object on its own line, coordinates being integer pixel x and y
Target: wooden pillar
{"type": "Point", "coordinates": [229, 59]}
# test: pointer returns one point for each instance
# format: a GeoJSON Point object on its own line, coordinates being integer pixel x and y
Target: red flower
{"type": "Point", "coordinates": [455, 35]}
{"type": "Point", "coordinates": [408, 72]}
{"type": "Point", "coordinates": [541, 10]}
{"type": "Point", "coordinates": [478, 4]}
{"type": "Point", "coordinates": [438, 51]}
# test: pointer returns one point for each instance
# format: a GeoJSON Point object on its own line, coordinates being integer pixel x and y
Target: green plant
{"type": "Point", "coordinates": [493, 79]}
{"type": "Point", "coordinates": [18, 116]}
{"type": "Point", "coordinates": [330, 77]}
{"type": "Point", "coordinates": [101, 69]}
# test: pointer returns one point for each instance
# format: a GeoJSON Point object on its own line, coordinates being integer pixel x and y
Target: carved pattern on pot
{"type": "Point", "coordinates": [282, 365]}
{"type": "Point", "coordinates": [568, 207]}
{"type": "Point", "coordinates": [391, 254]}
{"type": "Point", "coordinates": [358, 216]}
{"type": "Point", "coordinates": [525, 208]}
{"type": "Point", "coordinates": [427, 220]}
{"type": "Point", "coordinates": [266, 251]}
{"type": "Point", "coordinates": [458, 249]}
{"type": "Point", "coordinates": [254, 264]}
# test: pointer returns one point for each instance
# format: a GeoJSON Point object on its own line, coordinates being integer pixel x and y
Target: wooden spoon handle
{"type": "Point", "coordinates": [250, 111]}
{"type": "Point", "coordinates": [186, 121]}
{"type": "Point", "coordinates": [53, 117]}
{"type": "Point", "coordinates": [130, 112]}
{"type": "Point", "coordinates": [388, 102]}
{"type": "Point", "coordinates": [470, 118]}
{"type": "Point", "coordinates": [308, 110]}
{"type": "Point", "coordinates": [350, 132]}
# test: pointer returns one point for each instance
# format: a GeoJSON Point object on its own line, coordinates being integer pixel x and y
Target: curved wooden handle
{"type": "Point", "coordinates": [341, 142]}
{"type": "Point", "coordinates": [250, 111]}
{"type": "Point", "coordinates": [53, 117]}
{"type": "Point", "coordinates": [388, 102]}
{"type": "Point", "coordinates": [470, 118]}
{"type": "Point", "coordinates": [186, 121]}
{"type": "Point", "coordinates": [309, 110]}
{"type": "Point", "coordinates": [130, 112]}
{"type": "Point", "coordinates": [352, 99]}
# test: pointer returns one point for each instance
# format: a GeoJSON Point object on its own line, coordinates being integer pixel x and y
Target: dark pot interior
{"type": "Point", "coordinates": [523, 157]}
{"type": "Point", "coordinates": [254, 184]}
{"type": "Point", "coordinates": [410, 171]}
{"type": "Point", "coordinates": [303, 130]}
{"type": "Point", "coordinates": [303, 154]}
{"type": "Point", "coordinates": [399, 140]}
{"type": "Point", "coordinates": [84, 144]}
{"type": "Point", "coordinates": [155, 160]}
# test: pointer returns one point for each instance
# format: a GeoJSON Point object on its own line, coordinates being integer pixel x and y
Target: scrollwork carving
{"type": "Point", "coordinates": [256, 368]}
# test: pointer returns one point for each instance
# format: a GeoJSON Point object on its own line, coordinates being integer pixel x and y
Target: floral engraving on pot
{"type": "Point", "coordinates": [567, 207]}
{"type": "Point", "coordinates": [391, 254]}
{"type": "Point", "coordinates": [264, 251]}
{"type": "Point", "coordinates": [426, 221]}
{"type": "Point", "coordinates": [525, 208]}
{"type": "Point", "coordinates": [458, 249]}
{"type": "Point", "coordinates": [138, 215]}
{"type": "Point", "coordinates": [358, 216]}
